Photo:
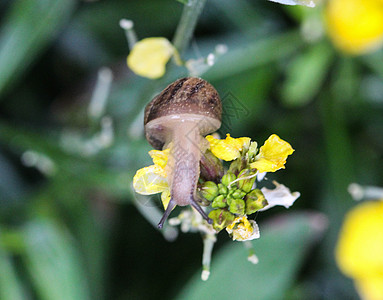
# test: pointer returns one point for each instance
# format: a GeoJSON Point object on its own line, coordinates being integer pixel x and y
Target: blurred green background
{"type": "Point", "coordinates": [70, 225]}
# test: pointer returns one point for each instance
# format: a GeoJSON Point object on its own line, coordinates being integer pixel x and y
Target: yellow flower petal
{"type": "Point", "coordinates": [229, 148]}
{"type": "Point", "coordinates": [359, 252]}
{"type": "Point", "coordinates": [165, 198]}
{"type": "Point", "coordinates": [150, 180]}
{"type": "Point", "coordinates": [272, 155]}
{"type": "Point", "coordinates": [243, 230]}
{"type": "Point", "coordinates": [370, 288]}
{"type": "Point", "coordinates": [355, 26]}
{"type": "Point", "coordinates": [149, 57]}
{"type": "Point", "coordinates": [160, 158]}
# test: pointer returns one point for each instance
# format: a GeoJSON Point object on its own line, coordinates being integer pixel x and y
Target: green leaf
{"type": "Point", "coordinates": [11, 183]}
{"type": "Point", "coordinates": [183, 1]}
{"type": "Point", "coordinates": [29, 26]}
{"type": "Point", "coordinates": [10, 285]}
{"type": "Point", "coordinates": [53, 262]}
{"type": "Point", "coordinates": [305, 75]}
{"type": "Point", "coordinates": [245, 56]}
{"type": "Point", "coordinates": [280, 249]}
{"type": "Point", "coordinates": [374, 62]}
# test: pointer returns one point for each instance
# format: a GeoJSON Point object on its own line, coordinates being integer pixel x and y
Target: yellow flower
{"type": "Point", "coordinates": [355, 26]}
{"type": "Point", "coordinates": [359, 252]}
{"type": "Point", "coordinates": [165, 197]}
{"type": "Point", "coordinates": [272, 155]}
{"type": "Point", "coordinates": [149, 57]}
{"type": "Point", "coordinates": [160, 158]}
{"type": "Point", "coordinates": [370, 288]}
{"type": "Point", "coordinates": [243, 230]}
{"type": "Point", "coordinates": [229, 148]}
{"type": "Point", "coordinates": [152, 180]}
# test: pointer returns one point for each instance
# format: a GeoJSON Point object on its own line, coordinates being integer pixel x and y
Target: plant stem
{"type": "Point", "coordinates": [208, 244]}
{"type": "Point", "coordinates": [187, 24]}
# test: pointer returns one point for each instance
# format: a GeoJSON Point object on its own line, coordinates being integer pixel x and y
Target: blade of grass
{"type": "Point", "coordinates": [53, 262]}
{"type": "Point", "coordinates": [10, 284]}
{"type": "Point", "coordinates": [27, 30]}
{"type": "Point", "coordinates": [306, 74]}
{"type": "Point", "coordinates": [251, 55]}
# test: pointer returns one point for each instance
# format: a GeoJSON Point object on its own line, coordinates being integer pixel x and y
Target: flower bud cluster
{"type": "Point", "coordinates": [234, 196]}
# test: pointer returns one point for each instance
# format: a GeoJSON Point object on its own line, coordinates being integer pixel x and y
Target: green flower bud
{"type": "Point", "coordinates": [219, 202]}
{"type": "Point", "coordinates": [238, 194]}
{"type": "Point", "coordinates": [232, 190]}
{"type": "Point", "coordinates": [209, 190]}
{"type": "Point", "coordinates": [221, 218]}
{"type": "Point", "coordinates": [229, 199]}
{"type": "Point", "coordinates": [211, 167]}
{"type": "Point", "coordinates": [255, 200]}
{"type": "Point", "coordinates": [235, 166]}
{"type": "Point", "coordinates": [222, 189]}
{"type": "Point", "coordinates": [252, 150]}
{"type": "Point", "coordinates": [228, 178]}
{"type": "Point", "coordinates": [246, 184]}
{"type": "Point", "coordinates": [237, 206]}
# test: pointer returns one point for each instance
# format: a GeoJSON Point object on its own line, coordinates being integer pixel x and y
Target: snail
{"type": "Point", "coordinates": [179, 118]}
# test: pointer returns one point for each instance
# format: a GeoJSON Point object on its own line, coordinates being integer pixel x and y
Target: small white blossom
{"type": "Point", "coordinates": [281, 195]}
{"type": "Point", "coordinates": [309, 3]}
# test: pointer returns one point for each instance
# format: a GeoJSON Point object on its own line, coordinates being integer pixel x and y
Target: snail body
{"type": "Point", "coordinates": [179, 118]}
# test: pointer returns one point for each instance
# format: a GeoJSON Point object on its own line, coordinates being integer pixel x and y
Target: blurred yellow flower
{"type": "Point", "coordinates": [152, 180]}
{"type": "Point", "coordinates": [229, 148]}
{"type": "Point", "coordinates": [355, 26]}
{"type": "Point", "coordinates": [149, 57]}
{"type": "Point", "coordinates": [272, 155]}
{"type": "Point", "coordinates": [359, 252]}
{"type": "Point", "coordinates": [243, 230]}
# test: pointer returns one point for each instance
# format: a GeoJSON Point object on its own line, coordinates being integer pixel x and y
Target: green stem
{"type": "Point", "coordinates": [187, 24]}
{"type": "Point", "coordinates": [251, 257]}
{"type": "Point", "coordinates": [208, 244]}
{"type": "Point", "coordinates": [339, 169]}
